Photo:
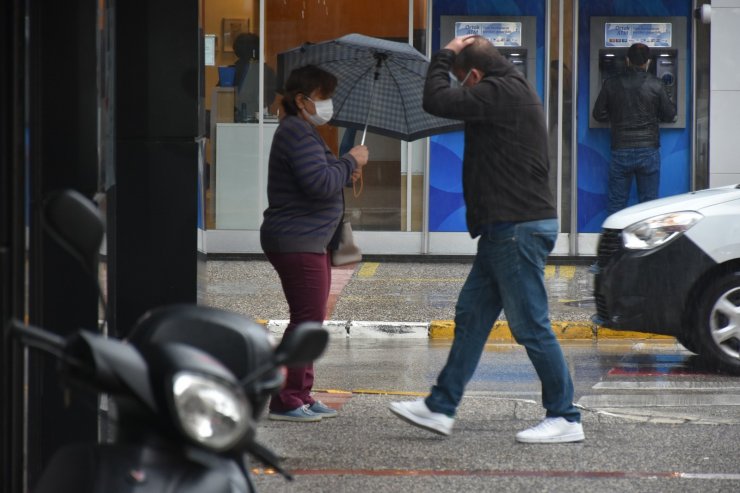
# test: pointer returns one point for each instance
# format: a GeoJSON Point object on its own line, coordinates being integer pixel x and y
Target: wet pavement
{"type": "Point", "coordinates": [656, 419]}
{"type": "Point", "coordinates": [385, 291]}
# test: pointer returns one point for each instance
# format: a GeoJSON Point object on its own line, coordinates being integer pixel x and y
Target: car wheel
{"type": "Point", "coordinates": [688, 342]}
{"type": "Point", "coordinates": [718, 322]}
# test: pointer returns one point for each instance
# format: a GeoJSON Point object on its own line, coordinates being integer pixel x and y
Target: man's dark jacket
{"type": "Point", "coordinates": [634, 102]}
{"type": "Point", "coordinates": [505, 164]}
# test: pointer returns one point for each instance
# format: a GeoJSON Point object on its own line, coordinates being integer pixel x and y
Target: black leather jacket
{"type": "Point", "coordinates": [505, 163]}
{"type": "Point", "coordinates": [634, 102]}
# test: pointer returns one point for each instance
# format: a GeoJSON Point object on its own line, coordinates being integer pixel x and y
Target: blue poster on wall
{"type": "Point", "coordinates": [594, 144]}
{"type": "Point", "coordinates": [446, 203]}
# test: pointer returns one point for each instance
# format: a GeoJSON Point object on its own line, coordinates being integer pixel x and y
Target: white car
{"type": "Point", "coordinates": [672, 266]}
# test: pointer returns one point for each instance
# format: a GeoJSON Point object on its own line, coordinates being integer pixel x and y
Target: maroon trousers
{"type": "Point", "coordinates": [306, 280]}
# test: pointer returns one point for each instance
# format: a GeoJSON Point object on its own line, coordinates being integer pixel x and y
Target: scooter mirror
{"type": "Point", "coordinates": [76, 224]}
{"type": "Point", "coordinates": [303, 346]}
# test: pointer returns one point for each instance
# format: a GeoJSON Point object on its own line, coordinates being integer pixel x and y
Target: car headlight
{"type": "Point", "coordinates": [211, 413]}
{"type": "Point", "coordinates": [658, 230]}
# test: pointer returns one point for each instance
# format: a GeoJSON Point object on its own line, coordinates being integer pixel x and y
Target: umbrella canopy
{"type": "Point", "coordinates": [380, 85]}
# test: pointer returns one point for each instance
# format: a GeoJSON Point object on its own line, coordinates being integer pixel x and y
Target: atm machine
{"type": "Point", "coordinates": [611, 37]}
{"type": "Point", "coordinates": [517, 56]}
{"type": "Point", "coordinates": [514, 37]}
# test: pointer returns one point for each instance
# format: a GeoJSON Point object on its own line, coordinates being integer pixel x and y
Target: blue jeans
{"type": "Point", "coordinates": [641, 162]}
{"type": "Point", "coordinates": [508, 274]}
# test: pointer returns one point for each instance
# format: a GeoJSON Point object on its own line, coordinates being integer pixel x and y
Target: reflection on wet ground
{"type": "Point", "coordinates": [611, 376]}
{"type": "Point", "coordinates": [634, 379]}
{"type": "Point", "coordinates": [388, 291]}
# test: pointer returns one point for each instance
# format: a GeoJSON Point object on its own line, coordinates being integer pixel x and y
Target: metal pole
{"type": "Point", "coordinates": [573, 246]}
{"type": "Point", "coordinates": [425, 241]}
{"type": "Point", "coordinates": [408, 145]}
{"type": "Point", "coordinates": [559, 88]}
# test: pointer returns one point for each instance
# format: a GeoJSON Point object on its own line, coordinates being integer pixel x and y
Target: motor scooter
{"type": "Point", "coordinates": [185, 390]}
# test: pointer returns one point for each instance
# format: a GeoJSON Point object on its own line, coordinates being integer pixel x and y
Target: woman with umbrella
{"type": "Point", "coordinates": [305, 185]}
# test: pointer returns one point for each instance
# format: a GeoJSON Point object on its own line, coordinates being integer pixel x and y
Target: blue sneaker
{"type": "Point", "coordinates": [300, 414]}
{"type": "Point", "coordinates": [322, 410]}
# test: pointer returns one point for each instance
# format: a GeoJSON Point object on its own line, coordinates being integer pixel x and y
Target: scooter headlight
{"type": "Point", "coordinates": [210, 412]}
{"type": "Point", "coordinates": [659, 230]}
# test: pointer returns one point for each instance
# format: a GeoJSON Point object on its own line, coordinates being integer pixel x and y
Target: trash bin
{"type": "Point", "coordinates": [226, 76]}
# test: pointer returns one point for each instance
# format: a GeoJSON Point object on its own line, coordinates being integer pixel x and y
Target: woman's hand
{"type": "Point", "coordinates": [361, 155]}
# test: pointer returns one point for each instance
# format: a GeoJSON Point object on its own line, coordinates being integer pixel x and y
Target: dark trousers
{"type": "Point", "coordinates": [642, 163]}
{"type": "Point", "coordinates": [306, 280]}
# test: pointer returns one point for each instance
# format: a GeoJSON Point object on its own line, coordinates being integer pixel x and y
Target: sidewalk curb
{"type": "Point", "coordinates": [564, 330]}
{"type": "Point", "coordinates": [445, 329]}
{"type": "Point", "coordinates": [361, 330]}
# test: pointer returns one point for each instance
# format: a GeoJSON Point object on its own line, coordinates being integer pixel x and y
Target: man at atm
{"type": "Point", "coordinates": [634, 103]}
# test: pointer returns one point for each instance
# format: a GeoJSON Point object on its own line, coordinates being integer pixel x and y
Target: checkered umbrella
{"type": "Point", "coordinates": [380, 85]}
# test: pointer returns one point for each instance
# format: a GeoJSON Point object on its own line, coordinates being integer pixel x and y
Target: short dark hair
{"type": "Point", "coordinates": [247, 46]}
{"type": "Point", "coordinates": [638, 54]}
{"type": "Point", "coordinates": [305, 80]}
{"type": "Point", "coordinates": [480, 54]}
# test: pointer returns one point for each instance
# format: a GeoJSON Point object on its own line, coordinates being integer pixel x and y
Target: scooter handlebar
{"type": "Point", "coordinates": [38, 338]}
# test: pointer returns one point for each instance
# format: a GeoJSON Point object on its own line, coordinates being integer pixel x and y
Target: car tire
{"type": "Point", "coordinates": [718, 322]}
{"type": "Point", "coordinates": [688, 342]}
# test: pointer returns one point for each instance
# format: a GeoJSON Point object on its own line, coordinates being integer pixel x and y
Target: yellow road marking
{"type": "Point", "coordinates": [567, 271]}
{"type": "Point", "coordinates": [417, 279]}
{"type": "Point", "coordinates": [389, 392]}
{"type": "Point", "coordinates": [368, 269]}
{"type": "Point", "coordinates": [445, 329]}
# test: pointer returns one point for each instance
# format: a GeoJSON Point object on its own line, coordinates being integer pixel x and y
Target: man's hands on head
{"type": "Point", "coordinates": [457, 44]}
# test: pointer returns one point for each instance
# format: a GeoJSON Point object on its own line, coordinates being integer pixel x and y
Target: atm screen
{"type": "Point", "coordinates": [612, 62]}
{"type": "Point", "coordinates": [663, 64]}
{"type": "Point", "coordinates": [517, 56]}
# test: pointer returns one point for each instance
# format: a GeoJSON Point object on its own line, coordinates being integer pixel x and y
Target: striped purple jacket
{"type": "Point", "coordinates": [304, 190]}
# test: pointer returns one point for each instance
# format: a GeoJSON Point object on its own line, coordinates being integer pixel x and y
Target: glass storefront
{"type": "Point", "coordinates": [411, 200]}
{"type": "Point", "coordinates": [391, 200]}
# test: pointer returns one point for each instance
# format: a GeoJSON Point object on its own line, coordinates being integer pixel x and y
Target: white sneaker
{"type": "Point", "coordinates": [418, 414]}
{"type": "Point", "coordinates": [552, 430]}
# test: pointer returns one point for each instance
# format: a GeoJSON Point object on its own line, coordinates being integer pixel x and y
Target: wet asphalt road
{"type": "Point", "coordinates": [655, 421]}
{"type": "Point", "coordinates": [655, 418]}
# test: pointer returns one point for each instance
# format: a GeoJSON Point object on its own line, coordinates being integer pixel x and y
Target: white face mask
{"type": "Point", "coordinates": [324, 111]}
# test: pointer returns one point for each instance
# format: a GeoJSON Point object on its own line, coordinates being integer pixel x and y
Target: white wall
{"type": "Point", "coordinates": [724, 148]}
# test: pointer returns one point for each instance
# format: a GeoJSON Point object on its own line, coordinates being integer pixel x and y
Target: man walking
{"type": "Point", "coordinates": [633, 102]}
{"type": "Point", "coordinates": [510, 206]}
